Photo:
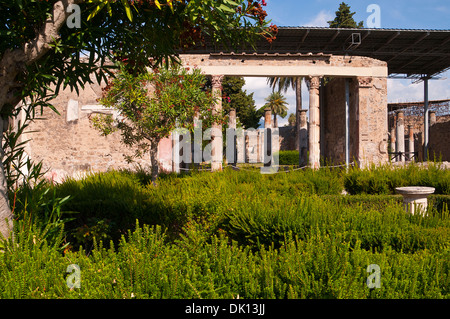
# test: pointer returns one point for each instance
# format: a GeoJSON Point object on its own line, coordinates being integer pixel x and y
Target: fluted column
{"type": "Point", "coordinates": [314, 122]}
{"type": "Point", "coordinates": [216, 134]}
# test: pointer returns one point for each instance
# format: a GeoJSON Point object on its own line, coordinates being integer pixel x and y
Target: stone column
{"type": "Point", "coordinates": [267, 118]}
{"type": "Point", "coordinates": [267, 149]}
{"type": "Point", "coordinates": [216, 134]}
{"type": "Point", "coordinates": [411, 142]}
{"type": "Point", "coordinates": [303, 138]}
{"type": "Point", "coordinates": [393, 140]}
{"type": "Point", "coordinates": [432, 118]}
{"type": "Point", "coordinates": [231, 138]}
{"type": "Point", "coordinates": [314, 122]}
{"type": "Point", "coordinates": [401, 136]}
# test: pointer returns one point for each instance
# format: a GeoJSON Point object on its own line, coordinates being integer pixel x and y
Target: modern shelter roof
{"type": "Point", "coordinates": [408, 52]}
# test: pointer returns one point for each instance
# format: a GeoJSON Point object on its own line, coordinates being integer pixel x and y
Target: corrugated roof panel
{"type": "Point", "coordinates": [407, 51]}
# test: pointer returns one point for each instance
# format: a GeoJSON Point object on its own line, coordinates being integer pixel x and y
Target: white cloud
{"type": "Point", "coordinates": [320, 20]}
{"type": "Point", "coordinates": [407, 91]}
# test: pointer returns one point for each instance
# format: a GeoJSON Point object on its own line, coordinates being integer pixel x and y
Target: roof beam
{"type": "Point", "coordinates": [332, 39]}
{"type": "Point", "coordinates": [303, 39]}
{"type": "Point", "coordinates": [420, 39]}
{"type": "Point", "coordinates": [445, 58]}
{"type": "Point", "coordinates": [391, 38]}
{"type": "Point", "coordinates": [428, 53]}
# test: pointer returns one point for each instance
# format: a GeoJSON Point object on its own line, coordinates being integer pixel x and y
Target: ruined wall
{"type": "Point", "coordinates": [372, 119]}
{"type": "Point", "coordinates": [439, 138]}
{"type": "Point", "coordinates": [439, 142]}
{"type": "Point", "coordinates": [367, 120]}
{"type": "Point", "coordinates": [333, 121]}
{"type": "Point", "coordinates": [287, 138]}
{"type": "Point", "coordinates": [68, 144]}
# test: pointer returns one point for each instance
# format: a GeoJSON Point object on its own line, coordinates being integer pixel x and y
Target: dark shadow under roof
{"type": "Point", "coordinates": [410, 53]}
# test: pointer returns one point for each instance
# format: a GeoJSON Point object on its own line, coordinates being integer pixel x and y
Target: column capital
{"type": "Point", "coordinates": [314, 81]}
{"type": "Point", "coordinates": [365, 82]}
{"type": "Point", "coordinates": [216, 81]}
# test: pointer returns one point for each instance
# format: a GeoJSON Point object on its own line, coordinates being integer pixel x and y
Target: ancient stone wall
{"type": "Point", "coordinates": [287, 138]}
{"type": "Point", "coordinates": [371, 119]}
{"type": "Point", "coordinates": [439, 134]}
{"type": "Point", "coordinates": [439, 143]}
{"type": "Point", "coordinates": [367, 120]}
{"type": "Point", "coordinates": [333, 115]}
{"type": "Point", "coordinates": [68, 144]}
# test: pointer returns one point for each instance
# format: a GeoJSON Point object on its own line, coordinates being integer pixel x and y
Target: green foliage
{"type": "Point", "coordinates": [121, 29]}
{"type": "Point", "coordinates": [384, 179]}
{"type": "Point", "coordinates": [229, 234]}
{"type": "Point", "coordinates": [244, 104]}
{"type": "Point", "coordinates": [146, 265]}
{"type": "Point", "coordinates": [288, 157]}
{"type": "Point", "coordinates": [152, 104]}
{"type": "Point", "coordinates": [278, 104]}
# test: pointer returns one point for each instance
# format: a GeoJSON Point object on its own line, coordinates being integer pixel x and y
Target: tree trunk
{"type": "Point", "coordinates": [154, 160]}
{"type": "Point", "coordinates": [6, 216]}
{"type": "Point", "coordinates": [298, 99]}
{"type": "Point", "coordinates": [12, 63]}
{"type": "Point", "coordinates": [275, 120]}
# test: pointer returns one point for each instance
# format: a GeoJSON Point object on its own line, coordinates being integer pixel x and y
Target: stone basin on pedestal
{"type": "Point", "coordinates": [415, 198]}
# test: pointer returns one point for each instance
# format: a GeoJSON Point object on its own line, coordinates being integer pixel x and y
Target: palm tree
{"type": "Point", "coordinates": [283, 84]}
{"type": "Point", "coordinates": [278, 104]}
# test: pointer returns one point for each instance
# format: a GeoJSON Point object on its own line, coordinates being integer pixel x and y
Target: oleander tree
{"type": "Point", "coordinates": [153, 104]}
{"type": "Point", "coordinates": [47, 45]}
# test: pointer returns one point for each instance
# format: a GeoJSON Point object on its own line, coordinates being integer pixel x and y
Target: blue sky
{"type": "Point", "coordinates": [401, 14]}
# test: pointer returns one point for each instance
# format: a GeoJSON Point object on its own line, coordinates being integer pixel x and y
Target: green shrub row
{"type": "Point", "coordinates": [108, 204]}
{"type": "Point", "coordinates": [375, 225]}
{"type": "Point", "coordinates": [385, 178]}
{"type": "Point", "coordinates": [146, 265]}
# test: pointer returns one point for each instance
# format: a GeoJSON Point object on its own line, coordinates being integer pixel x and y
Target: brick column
{"type": "Point", "coordinates": [303, 138]}
{"type": "Point", "coordinates": [314, 122]}
{"type": "Point", "coordinates": [401, 136]}
{"type": "Point", "coordinates": [216, 134]}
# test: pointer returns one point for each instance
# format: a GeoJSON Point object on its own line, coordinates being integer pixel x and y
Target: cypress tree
{"type": "Point", "coordinates": [344, 18]}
